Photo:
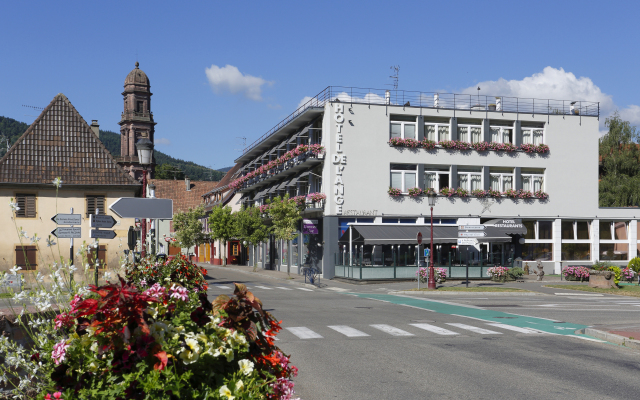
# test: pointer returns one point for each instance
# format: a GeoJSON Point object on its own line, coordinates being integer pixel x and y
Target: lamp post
{"type": "Point", "coordinates": [145, 155]}
{"type": "Point", "coordinates": [432, 279]}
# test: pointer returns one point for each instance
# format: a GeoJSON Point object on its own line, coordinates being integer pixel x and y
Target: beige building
{"type": "Point", "coordinates": [59, 143]}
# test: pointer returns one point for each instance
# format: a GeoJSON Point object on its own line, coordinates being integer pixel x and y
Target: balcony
{"type": "Point", "coordinates": [289, 168]}
{"type": "Point", "coordinates": [137, 116]}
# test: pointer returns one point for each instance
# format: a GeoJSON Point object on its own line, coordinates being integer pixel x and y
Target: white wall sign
{"type": "Point", "coordinates": [339, 159]}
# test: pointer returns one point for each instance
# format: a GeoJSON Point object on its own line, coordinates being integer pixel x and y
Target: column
{"type": "Point", "coordinates": [453, 129]}
{"type": "Point", "coordinates": [633, 239]}
{"type": "Point", "coordinates": [420, 127]}
{"type": "Point", "coordinates": [595, 240]}
{"type": "Point", "coordinates": [557, 245]}
{"type": "Point", "coordinates": [517, 133]}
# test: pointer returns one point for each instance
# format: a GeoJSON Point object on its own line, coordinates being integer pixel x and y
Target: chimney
{"type": "Point", "coordinates": [187, 182]}
{"type": "Point", "coordinates": [95, 127]}
{"type": "Point", "coordinates": [152, 190]}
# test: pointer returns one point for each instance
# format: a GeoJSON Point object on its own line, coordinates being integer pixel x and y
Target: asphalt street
{"type": "Point", "coordinates": [361, 342]}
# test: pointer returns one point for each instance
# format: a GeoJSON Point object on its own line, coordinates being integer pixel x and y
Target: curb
{"type": "Point", "coordinates": [611, 337]}
{"type": "Point", "coordinates": [450, 293]}
{"type": "Point", "coordinates": [262, 275]}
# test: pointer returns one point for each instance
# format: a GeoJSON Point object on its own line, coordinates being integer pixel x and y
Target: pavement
{"type": "Point", "coordinates": [623, 334]}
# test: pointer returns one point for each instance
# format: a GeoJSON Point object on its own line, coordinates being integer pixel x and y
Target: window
{"type": "Point", "coordinates": [404, 130]}
{"type": "Point", "coordinates": [538, 244]}
{"type": "Point", "coordinates": [537, 251]}
{"type": "Point", "coordinates": [389, 220]}
{"type": "Point", "coordinates": [470, 133]}
{"type": "Point", "coordinates": [235, 249]}
{"type": "Point", "coordinates": [95, 202]}
{"type": "Point", "coordinates": [99, 254]}
{"type": "Point", "coordinates": [407, 220]}
{"type": "Point", "coordinates": [501, 179]}
{"type": "Point", "coordinates": [532, 180]}
{"type": "Point", "coordinates": [532, 136]}
{"type": "Point", "coordinates": [437, 132]}
{"type": "Point", "coordinates": [26, 257]}
{"type": "Point", "coordinates": [140, 106]}
{"type": "Point", "coordinates": [403, 176]}
{"type": "Point", "coordinates": [27, 205]}
{"type": "Point", "coordinates": [436, 178]}
{"type": "Point", "coordinates": [576, 251]}
{"type": "Point", "coordinates": [574, 236]}
{"type": "Point", "coordinates": [575, 230]}
{"type": "Point", "coordinates": [469, 179]}
{"type": "Point", "coordinates": [613, 240]}
{"type": "Point", "coordinates": [500, 134]}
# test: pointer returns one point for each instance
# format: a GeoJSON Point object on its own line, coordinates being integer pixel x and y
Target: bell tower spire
{"type": "Point", "coordinates": [136, 122]}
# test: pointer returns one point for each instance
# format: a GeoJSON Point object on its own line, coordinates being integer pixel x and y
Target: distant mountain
{"type": "Point", "coordinates": [226, 169]}
{"type": "Point", "coordinates": [11, 130]}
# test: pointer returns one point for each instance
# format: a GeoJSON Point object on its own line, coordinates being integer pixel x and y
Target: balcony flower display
{"type": "Point", "coordinates": [528, 148]}
{"type": "Point", "coordinates": [510, 193]}
{"type": "Point", "coordinates": [541, 195]}
{"type": "Point", "coordinates": [316, 197]}
{"type": "Point", "coordinates": [396, 142]}
{"type": "Point", "coordinates": [460, 192]}
{"type": "Point", "coordinates": [399, 142]}
{"type": "Point", "coordinates": [502, 147]}
{"type": "Point", "coordinates": [445, 191]}
{"type": "Point", "coordinates": [299, 200]}
{"type": "Point", "coordinates": [480, 193]}
{"type": "Point", "coordinates": [455, 145]}
{"type": "Point", "coordinates": [494, 193]}
{"type": "Point", "coordinates": [393, 192]}
{"type": "Point", "coordinates": [428, 144]}
{"type": "Point", "coordinates": [480, 146]}
{"type": "Point", "coordinates": [415, 192]}
{"type": "Point", "coordinates": [429, 191]}
{"type": "Point", "coordinates": [542, 148]}
{"type": "Point", "coordinates": [525, 194]}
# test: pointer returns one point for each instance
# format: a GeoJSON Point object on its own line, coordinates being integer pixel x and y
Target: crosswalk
{"type": "Point", "coordinates": [448, 329]}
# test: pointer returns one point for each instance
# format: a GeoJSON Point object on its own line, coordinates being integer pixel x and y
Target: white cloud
{"type": "Point", "coordinates": [162, 141]}
{"type": "Point", "coordinates": [230, 79]}
{"type": "Point", "coordinates": [631, 114]}
{"type": "Point", "coordinates": [304, 101]}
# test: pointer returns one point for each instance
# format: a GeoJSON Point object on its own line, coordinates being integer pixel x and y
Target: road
{"type": "Point", "coordinates": [360, 342]}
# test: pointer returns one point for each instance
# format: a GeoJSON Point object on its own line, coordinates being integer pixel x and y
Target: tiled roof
{"type": "Point", "coordinates": [59, 143]}
{"type": "Point", "coordinates": [176, 190]}
{"type": "Point", "coordinates": [226, 180]}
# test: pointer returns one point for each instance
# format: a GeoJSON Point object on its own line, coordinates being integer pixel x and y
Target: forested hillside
{"type": "Point", "coordinates": [11, 130]}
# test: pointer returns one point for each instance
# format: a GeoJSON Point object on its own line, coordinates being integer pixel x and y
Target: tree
{"type": "Point", "coordinates": [188, 227]}
{"type": "Point", "coordinates": [221, 224]}
{"type": "Point", "coordinates": [250, 227]}
{"type": "Point", "coordinates": [285, 215]}
{"type": "Point", "coordinates": [168, 171]}
{"type": "Point", "coordinates": [620, 179]}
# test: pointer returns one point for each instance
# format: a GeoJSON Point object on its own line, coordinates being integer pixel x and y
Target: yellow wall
{"type": "Point", "coordinates": [46, 206]}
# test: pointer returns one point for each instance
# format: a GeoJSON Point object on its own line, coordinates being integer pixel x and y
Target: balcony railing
{"type": "Point", "coordinates": [287, 165]}
{"type": "Point", "coordinates": [445, 101]}
{"type": "Point", "coordinates": [132, 114]}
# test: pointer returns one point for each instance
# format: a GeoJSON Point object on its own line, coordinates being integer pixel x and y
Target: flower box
{"type": "Point", "coordinates": [393, 192]}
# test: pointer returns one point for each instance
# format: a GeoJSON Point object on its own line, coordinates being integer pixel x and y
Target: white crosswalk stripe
{"type": "Point", "coordinates": [513, 328]}
{"type": "Point", "coordinates": [304, 333]}
{"type": "Point", "coordinates": [305, 289]}
{"type": "Point", "coordinates": [475, 329]}
{"type": "Point", "coordinates": [434, 329]}
{"type": "Point", "coordinates": [283, 288]}
{"type": "Point", "coordinates": [348, 331]}
{"type": "Point", "coordinates": [393, 331]}
{"type": "Point", "coordinates": [223, 287]}
{"type": "Point", "coordinates": [264, 287]}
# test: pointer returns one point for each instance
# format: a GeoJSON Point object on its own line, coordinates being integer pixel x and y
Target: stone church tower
{"type": "Point", "coordinates": [136, 123]}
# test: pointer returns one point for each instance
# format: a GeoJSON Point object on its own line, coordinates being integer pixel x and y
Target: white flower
{"type": "Point", "coordinates": [14, 206]}
{"type": "Point", "coordinates": [20, 296]}
{"type": "Point", "coordinates": [239, 385]}
{"type": "Point", "coordinates": [224, 391]}
{"type": "Point", "coordinates": [22, 234]}
{"type": "Point", "coordinates": [35, 238]}
{"type": "Point", "coordinates": [246, 366]}
{"type": "Point", "coordinates": [83, 291]}
{"type": "Point", "coordinates": [15, 270]}
{"type": "Point", "coordinates": [107, 276]}
{"type": "Point", "coordinates": [190, 353]}
{"type": "Point", "coordinates": [50, 242]}
{"type": "Point", "coordinates": [57, 182]}
{"type": "Point", "coordinates": [72, 268]}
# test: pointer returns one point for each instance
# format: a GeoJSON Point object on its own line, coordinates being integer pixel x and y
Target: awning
{"type": "Point", "coordinates": [406, 234]}
{"type": "Point", "coordinates": [293, 182]}
{"type": "Point", "coordinates": [283, 185]}
{"type": "Point", "coordinates": [272, 189]}
{"type": "Point", "coordinates": [304, 175]}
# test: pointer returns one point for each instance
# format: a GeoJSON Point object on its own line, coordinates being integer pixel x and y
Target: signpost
{"type": "Point", "coordinates": [468, 232]}
{"type": "Point", "coordinates": [471, 227]}
{"type": "Point", "coordinates": [67, 219]}
{"type": "Point", "coordinates": [70, 232]}
{"type": "Point", "coordinates": [146, 208]}
{"type": "Point", "coordinates": [98, 234]}
{"type": "Point", "coordinates": [102, 221]}
{"type": "Point", "coordinates": [471, 234]}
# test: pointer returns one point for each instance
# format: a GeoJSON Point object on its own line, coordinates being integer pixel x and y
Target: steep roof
{"type": "Point", "coordinates": [176, 190]}
{"type": "Point", "coordinates": [60, 143]}
{"type": "Point", "coordinates": [226, 180]}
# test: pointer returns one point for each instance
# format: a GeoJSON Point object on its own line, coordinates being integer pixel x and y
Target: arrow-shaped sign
{"type": "Point", "coordinates": [98, 234]}
{"type": "Point", "coordinates": [67, 219]}
{"type": "Point", "coordinates": [136, 207]}
{"type": "Point", "coordinates": [471, 234]}
{"type": "Point", "coordinates": [72, 232]}
{"type": "Point", "coordinates": [102, 221]}
{"type": "Point", "coordinates": [471, 227]}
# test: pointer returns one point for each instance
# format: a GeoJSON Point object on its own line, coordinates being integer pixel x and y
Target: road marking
{"type": "Point", "coordinates": [223, 287]}
{"type": "Point", "coordinates": [304, 333]}
{"type": "Point", "coordinates": [589, 339]}
{"type": "Point", "coordinates": [475, 329]}
{"type": "Point", "coordinates": [305, 289]}
{"type": "Point", "coordinates": [391, 330]}
{"type": "Point", "coordinates": [578, 294]}
{"type": "Point", "coordinates": [513, 328]}
{"type": "Point", "coordinates": [283, 288]}
{"type": "Point", "coordinates": [348, 331]}
{"type": "Point", "coordinates": [419, 308]}
{"type": "Point", "coordinates": [264, 287]}
{"type": "Point", "coordinates": [434, 329]}
{"type": "Point", "coordinates": [337, 289]}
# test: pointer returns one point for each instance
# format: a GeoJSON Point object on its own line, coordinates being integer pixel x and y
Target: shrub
{"type": "Point", "coordinates": [515, 272]}
{"type": "Point", "coordinates": [440, 274]}
{"type": "Point", "coordinates": [575, 273]}
{"type": "Point", "coordinates": [628, 274]}
{"type": "Point", "coordinates": [498, 273]}
{"type": "Point", "coordinates": [179, 271]}
{"type": "Point", "coordinates": [634, 264]}
{"type": "Point", "coordinates": [617, 274]}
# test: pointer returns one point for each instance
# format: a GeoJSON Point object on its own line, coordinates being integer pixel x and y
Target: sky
{"type": "Point", "coordinates": [224, 71]}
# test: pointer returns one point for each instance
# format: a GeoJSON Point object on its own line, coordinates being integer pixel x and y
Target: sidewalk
{"type": "Point", "coordinates": [262, 273]}
{"type": "Point", "coordinates": [626, 335]}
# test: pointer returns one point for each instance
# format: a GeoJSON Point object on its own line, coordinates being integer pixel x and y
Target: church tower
{"type": "Point", "coordinates": [136, 123]}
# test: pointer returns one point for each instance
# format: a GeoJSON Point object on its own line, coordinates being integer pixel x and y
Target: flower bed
{"type": "Point", "coordinates": [628, 274]}
{"type": "Point", "coordinates": [180, 270]}
{"type": "Point", "coordinates": [440, 274]}
{"type": "Point", "coordinates": [576, 273]}
{"type": "Point", "coordinates": [498, 273]}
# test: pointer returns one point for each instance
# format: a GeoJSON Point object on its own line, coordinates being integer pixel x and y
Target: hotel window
{"type": "Point", "coordinates": [469, 179]}
{"type": "Point", "coordinates": [501, 134]}
{"type": "Point", "coordinates": [613, 244]}
{"type": "Point", "coordinates": [470, 133]}
{"type": "Point", "coordinates": [436, 177]}
{"type": "Point", "coordinates": [575, 240]}
{"type": "Point", "coordinates": [532, 179]}
{"type": "Point", "coordinates": [501, 179]}
{"type": "Point", "coordinates": [27, 205]}
{"type": "Point", "coordinates": [436, 131]}
{"type": "Point", "coordinates": [403, 176]}
{"type": "Point", "coordinates": [403, 127]}
{"type": "Point", "coordinates": [538, 241]}
{"type": "Point", "coordinates": [532, 133]}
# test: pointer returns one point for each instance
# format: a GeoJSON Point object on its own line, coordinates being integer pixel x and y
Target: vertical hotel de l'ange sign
{"type": "Point", "coordinates": [339, 159]}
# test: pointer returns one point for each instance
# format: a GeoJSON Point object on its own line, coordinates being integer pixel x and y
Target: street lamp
{"type": "Point", "coordinates": [432, 280]}
{"type": "Point", "coordinates": [145, 155]}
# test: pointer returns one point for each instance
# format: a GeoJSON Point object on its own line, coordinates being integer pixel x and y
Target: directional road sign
{"type": "Point", "coordinates": [102, 221]}
{"type": "Point", "coordinates": [471, 227]}
{"type": "Point", "coordinates": [467, 242]}
{"type": "Point", "coordinates": [97, 234]}
{"type": "Point", "coordinates": [72, 232]}
{"type": "Point", "coordinates": [471, 234]}
{"type": "Point", "coordinates": [136, 207]}
{"type": "Point", "coordinates": [67, 219]}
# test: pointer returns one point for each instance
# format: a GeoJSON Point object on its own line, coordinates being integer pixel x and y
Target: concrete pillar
{"type": "Point", "coordinates": [453, 129]}
{"type": "Point", "coordinates": [517, 133]}
{"type": "Point", "coordinates": [595, 240]}
{"type": "Point", "coordinates": [453, 176]}
{"type": "Point", "coordinates": [557, 245]}
{"type": "Point", "coordinates": [486, 130]}
{"type": "Point", "coordinates": [421, 176]}
{"type": "Point", "coordinates": [517, 178]}
{"type": "Point", "coordinates": [633, 239]}
{"type": "Point", "coordinates": [420, 127]}
{"type": "Point", "coordinates": [330, 228]}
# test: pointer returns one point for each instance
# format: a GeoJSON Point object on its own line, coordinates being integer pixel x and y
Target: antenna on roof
{"type": "Point", "coordinates": [244, 143]}
{"type": "Point", "coordinates": [396, 73]}
{"type": "Point", "coordinates": [34, 107]}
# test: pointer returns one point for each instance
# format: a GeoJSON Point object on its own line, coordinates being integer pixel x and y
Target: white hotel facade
{"type": "Point", "coordinates": [365, 232]}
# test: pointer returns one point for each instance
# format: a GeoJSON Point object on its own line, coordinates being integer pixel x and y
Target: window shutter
{"type": "Point", "coordinates": [32, 257]}
{"type": "Point", "coordinates": [20, 257]}
{"type": "Point", "coordinates": [93, 202]}
{"type": "Point", "coordinates": [100, 205]}
{"type": "Point", "coordinates": [22, 204]}
{"type": "Point", "coordinates": [27, 204]}
{"type": "Point", "coordinates": [31, 261]}
{"type": "Point", "coordinates": [31, 206]}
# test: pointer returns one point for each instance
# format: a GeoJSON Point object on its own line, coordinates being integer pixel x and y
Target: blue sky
{"type": "Point", "coordinates": [224, 70]}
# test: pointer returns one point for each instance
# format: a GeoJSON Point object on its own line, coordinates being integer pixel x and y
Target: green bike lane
{"type": "Point", "coordinates": [483, 314]}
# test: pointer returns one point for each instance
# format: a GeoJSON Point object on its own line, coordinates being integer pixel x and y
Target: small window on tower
{"type": "Point", "coordinates": [140, 106]}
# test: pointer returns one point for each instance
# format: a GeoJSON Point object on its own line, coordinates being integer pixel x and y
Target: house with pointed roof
{"type": "Point", "coordinates": [59, 144]}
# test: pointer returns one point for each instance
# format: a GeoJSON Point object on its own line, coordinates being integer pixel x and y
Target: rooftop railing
{"type": "Point", "coordinates": [445, 101]}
